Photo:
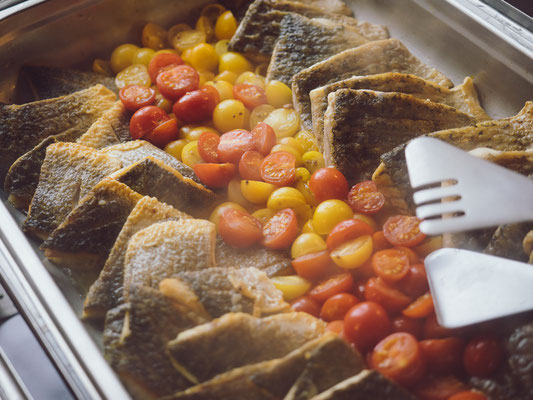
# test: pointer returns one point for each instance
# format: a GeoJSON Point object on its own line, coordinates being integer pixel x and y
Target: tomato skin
{"type": "Point", "coordinates": [207, 147]}
{"type": "Point", "coordinates": [336, 307]}
{"type": "Point", "coordinates": [134, 97]}
{"type": "Point", "coordinates": [239, 229]}
{"type": "Point", "coordinates": [365, 198]}
{"type": "Point", "coordinates": [443, 356]}
{"type": "Point", "coordinates": [365, 324]}
{"type": "Point", "coordinates": [359, 288]}
{"type": "Point", "coordinates": [313, 266]}
{"type": "Point", "coordinates": [161, 62]}
{"type": "Point", "coordinates": [250, 95]}
{"type": "Point", "coordinates": [482, 356]}
{"type": "Point", "coordinates": [420, 308]}
{"type": "Point", "coordinates": [175, 82]}
{"type": "Point", "coordinates": [264, 138]}
{"type": "Point", "coordinates": [336, 327]}
{"type": "Point", "coordinates": [390, 265]}
{"type": "Point", "coordinates": [196, 105]}
{"type": "Point", "coordinates": [332, 286]}
{"type": "Point", "coordinates": [390, 298]}
{"type": "Point", "coordinates": [250, 165]}
{"type": "Point", "coordinates": [380, 242]}
{"type": "Point", "coordinates": [234, 144]}
{"type": "Point", "coordinates": [403, 230]}
{"type": "Point", "coordinates": [328, 183]}
{"type": "Point", "coordinates": [438, 387]}
{"type": "Point", "coordinates": [468, 395]}
{"type": "Point", "coordinates": [347, 230]}
{"type": "Point", "coordinates": [163, 133]}
{"type": "Point", "coordinates": [415, 283]}
{"type": "Point", "coordinates": [279, 168]}
{"type": "Point", "coordinates": [144, 120]}
{"type": "Point", "coordinates": [280, 230]}
{"type": "Point", "coordinates": [409, 325]}
{"type": "Point", "coordinates": [306, 304]}
{"type": "Point", "coordinates": [215, 175]}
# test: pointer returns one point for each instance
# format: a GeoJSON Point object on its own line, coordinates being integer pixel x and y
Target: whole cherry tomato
{"type": "Point", "coordinates": [264, 138]}
{"type": "Point", "coordinates": [234, 144]}
{"type": "Point", "coordinates": [390, 298]}
{"type": "Point", "coordinates": [280, 230]}
{"type": "Point", "coordinates": [443, 356]}
{"type": "Point", "coordinates": [250, 95]}
{"type": "Point", "coordinates": [409, 325]}
{"type": "Point", "coordinates": [365, 198]}
{"type": "Point", "coordinates": [250, 165]}
{"type": "Point", "coordinates": [196, 105]}
{"type": "Point", "coordinates": [207, 146]}
{"type": "Point", "coordinates": [391, 265]}
{"type": "Point", "coordinates": [328, 183]}
{"type": "Point", "coordinates": [134, 97]}
{"type": "Point", "coordinates": [347, 230]}
{"type": "Point", "coordinates": [365, 324]}
{"type": "Point", "coordinates": [306, 304]}
{"type": "Point", "coordinates": [175, 82]}
{"type": "Point", "coordinates": [163, 133]}
{"type": "Point", "coordinates": [415, 283]}
{"type": "Point", "coordinates": [337, 306]}
{"type": "Point", "coordinates": [215, 175]}
{"type": "Point", "coordinates": [332, 286]}
{"type": "Point", "coordinates": [380, 242]}
{"type": "Point", "coordinates": [279, 168]}
{"type": "Point", "coordinates": [144, 120]}
{"type": "Point", "coordinates": [403, 230]}
{"type": "Point", "coordinates": [238, 228]}
{"type": "Point", "coordinates": [313, 266]}
{"type": "Point", "coordinates": [162, 62]}
{"type": "Point", "coordinates": [483, 355]}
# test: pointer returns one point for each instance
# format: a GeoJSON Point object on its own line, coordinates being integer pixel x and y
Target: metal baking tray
{"type": "Point", "coordinates": [459, 37]}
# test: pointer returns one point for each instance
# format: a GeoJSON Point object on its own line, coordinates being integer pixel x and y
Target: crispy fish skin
{"type": "Point", "coordinates": [110, 129]}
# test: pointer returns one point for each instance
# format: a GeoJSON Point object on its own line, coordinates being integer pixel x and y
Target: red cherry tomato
{"type": "Point", "coordinates": [391, 265]}
{"type": "Point", "coordinates": [432, 329]}
{"type": "Point", "coordinates": [337, 306]}
{"type": "Point", "coordinates": [250, 95]}
{"type": "Point", "coordinates": [336, 327]}
{"type": "Point", "coordinates": [365, 198]}
{"type": "Point", "coordinates": [347, 230]}
{"type": "Point", "coordinates": [413, 257]}
{"type": "Point", "coordinates": [483, 355]}
{"type": "Point", "coordinates": [144, 121]}
{"type": "Point", "coordinates": [409, 325]}
{"type": "Point", "coordinates": [134, 97]}
{"type": "Point", "coordinates": [306, 304]}
{"type": "Point", "coordinates": [264, 138]}
{"type": "Point", "coordinates": [175, 82]}
{"type": "Point", "coordinates": [280, 230]}
{"type": "Point", "coordinates": [443, 356]}
{"type": "Point", "coordinates": [403, 230]}
{"type": "Point", "coordinates": [328, 183]}
{"type": "Point", "coordinates": [390, 298]}
{"type": "Point", "coordinates": [207, 146]}
{"type": "Point", "coordinates": [438, 387]}
{"type": "Point", "coordinates": [468, 395]}
{"type": "Point", "coordinates": [332, 286]}
{"type": "Point", "coordinates": [420, 308]}
{"type": "Point", "coordinates": [234, 144]}
{"type": "Point", "coordinates": [197, 105]}
{"type": "Point", "coordinates": [380, 242]}
{"type": "Point", "coordinates": [359, 288]}
{"type": "Point", "coordinates": [399, 358]}
{"type": "Point", "coordinates": [162, 62]}
{"type": "Point", "coordinates": [239, 229]}
{"type": "Point", "coordinates": [163, 133]}
{"type": "Point", "coordinates": [415, 282]}
{"type": "Point", "coordinates": [365, 324]}
{"type": "Point", "coordinates": [366, 270]}
{"type": "Point", "coordinates": [279, 168]}
{"type": "Point", "coordinates": [313, 266]}
{"type": "Point", "coordinates": [215, 175]}
{"type": "Point", "coordinates": [250, 165]}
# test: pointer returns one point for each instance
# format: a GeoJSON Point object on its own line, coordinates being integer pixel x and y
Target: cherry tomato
{"type": "Point", "coordinates": [196, 105]}
{"type": "Point", "coordinates": [250, 95]}
{"type": "Point", "coordinates": [215, 175]}
{"type": "Point", "coordinates": [366, 270]}
{"type": "Point", "coordinates": [279, 168]}
{"type": "Point", "coordinates": [391, 265]}
{"type": "Point", "coordinates": [413, 257]}
{"type": "Point", "coordinates": [306, 304]}
{"type": "Point", "coordinates": [438, 387]}
{"type": "Point", "coordinates": [234, 144]}
{"type": "Point", "coordinates": [239, 229]}
{"type": "Point", "coordinates": [390, 298]}
{"type": "Point", "coordinates": [336, 327]}
{"type": "Point", "coordinates": [482, 356]}
{"type": "Point", "coordinates": [347, 230]}
{"type": "Point", "coordinates": [332, 286]}
{"type": "Point", "coordinates": [207, 146]}
{"type": "Point", "coordinates": [399, 358]}
{"type": "Point", "coordinates": [365, 198]}
{"type": "Point", "coordinates": [359, 288]}
{"type": "Point", "coordinates": [420, 308]}
{"type": "Point", "coordinates": [365, 324]}
{"type": "Point", "coordinates": [415, 282]}
{"type": "Point", "coordinates": [175, 82]}
{"type": "Point", "coordinates": [162, 62]}
{"type": "Point", "coordinates": [328, 183]}
{"type": "Point", "coordinates": [468, 395]}
{"type": "Point", "coordinates": [337, 306]}
{"type": "Point", "coordinates": [380, 242]}
{"type": "Point", "coordinates": [136, 96]}
{"type": "Point", "coordinates": [280, 230]}
{"type": "Point", "coordinates": [313, 266]}
{"type": "Point", "coordinates": [403, 230]}
{"type": "Point", "coordinates": [264, 138]}
{"type": "Point", "coordinates": [250, 165]}
{"type": "Point", "coordinates": [443, 356]}
{"type": "Point", "coordinates": [163, 133]}
{"type": "Point", "coordinates": [432, 329]}
{"type": "Point", "coordinates": [409, 325]}
{"type": "Point", "coordinates": [144, 120]}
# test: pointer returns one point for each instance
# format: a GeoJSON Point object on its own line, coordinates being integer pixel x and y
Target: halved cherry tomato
{"type": "Point", "coordinates": [279, 168]}
{"type": "Point", "coordinates": [313, 266]}
{"type": "Point", "coordinates": [337, 306]}
{"type": "Point", "coordinates": [403, 230]}
{"type": "Point", "coordinates": [215, 175]}
{"type": "Point", "coordinates": [409, 325]}
{"type": "Point", "coordinates": [163, 133]}
{"type": "Point", "coordinates": [380, 242]}
{"type": "Point", "coordinates": [390, 298]}
{"type": "Point", "coordinates": [280, 230]}
{"type": "Point", "coordinates": [306, 304]}
{"type": "Point", "coordinates": [483, 356]}
{"type": "Point", "coordinates": [391, 265]}
{"type": "Point", "coordinates": [175, 82]}
{"type": "Point", "coordinates": [207, 146]}
{"type": "Point", "coordinates": [234, 144]}
{"type": "Point", "coordinates": [443, 356]}
{"type": "Point", "coordinates": [332, 286]}
{"type": "Point", "coordinates": [196, 105]}
{"type": "Point", "coordinates": [413, 257]}
{"type": "Point", "coordinates": [250, 95]}
{"type": "Point", "coordinates": [161, 62]}
{"type": "Point", "coordinates": [365, 198]}
{"type": "Point", "coordinates": [468, 395]}
{"type": "Point", "coordinates": [264, 138]}
{"type": "Point", "coordinates": [432, 329]}
{"type": "Point", "coordinates": [399, 358]}
{"type": "Point", "coordinates": [420, 308]}
{"type": "Point", "coordinates": [336, 327]}
{"type": "Point", "coordinates": [136, 96]}
{"type": "Point", "coordinates": [347, 230]}
{"type": "Point", "coordinates": [328, 183]}
{"type": "Point", "coordinates": [415, 282]}
{"type": "Point", "coordinates": [250, 165]}
{"type": "Point", "coordinates": [239, 229]}
{"type": "Point", "coordinates": [438, 387]}
{"type": "Point", "coordinates": [365, 324]}
{"type": "Point", "coordinates": [144, 120]}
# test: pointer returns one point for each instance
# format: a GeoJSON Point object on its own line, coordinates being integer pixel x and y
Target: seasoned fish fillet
{"type": "Point", "coordinates": [107, 291]}
{"type": "Point", "coordinates": [85, 238]}
{"type": "Point", "coordinates": [303, 42]}
{"type": "Point", "coordinates": [110, 129]}
{"type": "Point", "coordinates": [389, 55]}
{"type": "Point", "coordinates": [202, 352]}
{"type": "Point", "coordinates": [507, 241]}
{"type": "Point", "coordinates": [69, 172]}
{"type": "Point", "coordinates": [23, 127]}
{"type": "Point", "coordinates": [527, 245]}
{"type": "Point", "coordinates": [463, 97]}
{"type": "Point", "coordinates": [361, 125]}
{"type": "Point", "coordinates": [239, 7]}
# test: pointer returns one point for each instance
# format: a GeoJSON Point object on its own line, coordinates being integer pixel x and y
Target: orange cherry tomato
{"type": "Point", "coordinates": [134, 97]}
{"type": "Point", "coordinates": [380, 242]}
{"type": "Point", "coordinates": [163, 133]}
{"type": "Point", "coordinates": [313, 266]}
{"type": "Point", "coordinates": [250, 165]}
{"type": "Point", "coordinates": [215, 175]}
{"type": "Point", "coordinates": [399, 358]}
{"type": "Point", "coordinates": [365, 198]}
{"type": "Point", "coordinates": [337, 306]}
{"type": "Point", "coordinates": [482, 356]}
{"type": "Point", "coordinates": [443, 356]}
{"type": "Point", "coordinates": [391, 265]}
{"type": "Point", "coordinates": [196, 105]}
{"type": "Point", "coordinates": [279, 168]}
{"type": "Point", "coordinates": [328, 183]}
{"type": "Point", "coordinates": [439, 387]}
{"type": "Point", "coordinates": [306, 304]}
{"type": "Point", "coordinates": [347, 230]}
{"type": "Point", "coordinates": [281, 230]}
{"type": "Point", "coordinates": [336, 327]}
{"type": "Point", "coordinates": [162, 62]}
{"type": "Point", "coordinates": [175, 82]}
{"type": "Point", "coordinates": [415, 282]}
{"type": "Point", "coordinates": [264, 138]}
{"type": "Point", "coordinates": [403, 230]}
{"type": "Point", "coordinates": [409, 325]}
{"type": "Point", "coordinates": [390, 298]}
{"type": "Point", "coordinates": [332, 286]}
{"type": "Point", "coordinates": [413, 257]}
{"type": "Point", "coordinates": [468, 395]}
{"type": "Point", "coordinates": [238, 228]}
{"type": "Point", "coordinates": [365, 324]}
{"type": "Point", "coordinates": [144, 120]}
{"type": "Point", "coordinates": [250, 95]}
{"type": "Point", "coordinates": [420, 308]}
{"type": "Point", "coordinates": [207, 146]}
{"type": "Point", "coordinates": [234, 144]}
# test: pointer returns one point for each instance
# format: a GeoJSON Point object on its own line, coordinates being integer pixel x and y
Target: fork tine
{"type": "Point", "coordinates": [442, 225]}
{"type": "Point", "coordinates": [423, 196]}
{"type": "Point", "coordinates": [432, 210]}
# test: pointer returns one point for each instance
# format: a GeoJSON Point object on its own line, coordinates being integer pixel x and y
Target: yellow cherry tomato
{"type": "Point", "coordinates": [303, 188]}
{"type": "Point", "coordinates": [163, 103]}
{"type": "Point", "coordinates": [353, 253]}
{"type": "Point", "coordinates": [264, 215]}
{"type": "Point", "coordinates": [215, 215]}
{"type": "Point", "coordinates": [290, 141]}
{"type": "Point", "coordinates": [313, 160]}
{"type": "Point", "coordinates": [227, 76]}
{"type": "Point", "coordinates": [365, 218]}
{"type": "Point", "coordinates": [102, 67]}
{"type": "Point", "coordinates": [307, 141]}
{"type": "Point", "coordinates": [212, 11]}
{"type": "Point", "coordinates": [174, 30]}
{"type": "Point", "coordinates": [143, 56]}
{"type": "Point", "coordinates": [278, 94]}
{"type": "Point", "coordinates": [154, 36]}
{"type": "Point", "coordinates": [190, 155]}
{"type": "Point", "coordinates": [302, 175]}
{"type": "Point", "coordinates": [285, 197]}
{"type": "Point", "coordinates": [193, 132]}
{"type": "Point", "coordinates": [224, 89]}
{"type": "Point", "coordinates": [203, 57]}
{"type": "Point", "coordinates": [292, 286]}
{"type": "Point", "coordinates": [308, 227]}
{"type": "Point", "coordinates": [259, 114]}
{"type": "Point", "coordinates": [235, 195]}
{"type": "Point", "coordinates": [329, 213]}
{"type": "Point", "coordinates": [307, 243]}
{"type": "Point", "coordinates": [122, 57]}
{"type": "Point", "coordinates": [285, 122]}
{"type": "Point", "coordinates": [205, 76]}
{"type": "Point", "coordinates": [250, 78]}
{"type": "Point", "coordinates": [187, 39]}
{"type": "Point", "coordinates": [175, 148]}
{"type": "Point", "coordinates": [234, 62]}
{"type": "Point", "coordinates": [229, 114]}
{"type": "Point", "coordinates": [221, 46]}
{"type": "Point", "coordinates": [261, 69]}
{"type": "Point", "coordinates": [206, 26]}
{"type": "Point", "coordinates": [303, 213]}
{"type": "Point", "coordinates": [135, 74]}
{"type": "Point", "coordinates": [256, 192]}
{"type": "Point", "coordinates": [225, 26]}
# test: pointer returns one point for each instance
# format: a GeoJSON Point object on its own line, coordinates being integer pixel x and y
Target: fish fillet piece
{"type": "Point", "coordinates": [22, 127]}
{"type": "Point", "coordinates": [110, 129]}
{"type": "Point", "coordinates": [69, 172]}
{"type": "Point", "coordinates": [202, 352]}
{"type": "Point", "coordinates": [463, 97]}
{"type": "Point", "coordinates": [380, 56]}
{"type": "Point", "coordinates": [303, 42]}
{"type": "Point", "coordinates": [107, 291]}
{"type": "Point", "coordinates": [239, 7]}
{"type": "Point", "coordinates": [361, 125]}
{"type": "Point", "coordinates": [85, 238]}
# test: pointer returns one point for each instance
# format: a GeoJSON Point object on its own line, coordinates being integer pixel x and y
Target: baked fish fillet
{"type": "Point", "coordinates": [380, 56]}
{"type": "Point", "coordinates": [113, 127]}
{"type": "Point", "coordinates": [239, 7]}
